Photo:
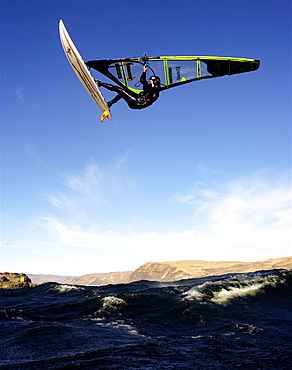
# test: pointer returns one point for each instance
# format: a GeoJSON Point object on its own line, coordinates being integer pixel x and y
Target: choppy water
{"type": "Point", "coordinates": [240, 321]}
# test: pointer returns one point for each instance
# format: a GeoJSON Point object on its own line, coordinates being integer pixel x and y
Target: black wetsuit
{"type": "Point", "coordinates": [135, 101]}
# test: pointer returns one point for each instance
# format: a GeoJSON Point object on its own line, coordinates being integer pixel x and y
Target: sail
{"type": "Point", "coordinates": [172, 70]}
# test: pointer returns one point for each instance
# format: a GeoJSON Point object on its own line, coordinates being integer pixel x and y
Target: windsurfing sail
{"type": "Point", "coordinates": [172, 70]}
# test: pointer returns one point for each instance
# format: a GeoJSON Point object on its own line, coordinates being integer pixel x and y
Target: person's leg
{"type": "Point", "coordinates": [129, 97]}
{"type": "Point", "coordinates": [114, 100]}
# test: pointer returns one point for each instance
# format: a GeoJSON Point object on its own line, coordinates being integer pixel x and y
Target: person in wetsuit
{"type": "Point", "coordinates": [142, 100]}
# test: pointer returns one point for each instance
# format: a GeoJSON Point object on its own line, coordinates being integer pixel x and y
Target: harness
{"type": "Point", "coordinates": [144, 100]}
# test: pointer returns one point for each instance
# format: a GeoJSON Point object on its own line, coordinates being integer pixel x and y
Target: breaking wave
{"type": "Point", "coordinates": [222, 292]}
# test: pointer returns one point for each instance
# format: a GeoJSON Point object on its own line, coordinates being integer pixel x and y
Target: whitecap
{"type": "Point", "coordinates": [193, 294]}
{"type": "Point", "coordinates": [224, 295]}
{"type": "Point", "coordinates": [111, 303]}
{"type": "Point", "coordinates": [64, 288]}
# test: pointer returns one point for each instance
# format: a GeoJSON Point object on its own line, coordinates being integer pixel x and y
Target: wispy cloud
{"type": "Point", "coordinates": [246, 219]}
{"type": "Point", "coordinates": [252, 200]}
{"type": "Point", "coordinates": [88, 183]}
{"type": "Point", "coordinates": [33, 153]}
{"type": "Point", "coordinates": [60, 201]}
{"type": "Point", "coordinates": [95, 185]}
{"type": "Point", "coordinates": [20, 93]}
{"type": "Point", "coordinates": [122, 160]}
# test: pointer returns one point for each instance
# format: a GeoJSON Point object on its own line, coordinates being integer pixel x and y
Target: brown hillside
{"type": "Point", "coordinates": [177, 270]}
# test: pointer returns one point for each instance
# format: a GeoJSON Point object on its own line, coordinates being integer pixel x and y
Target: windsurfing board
{"type": "Point", "coordinates": [82, 72]}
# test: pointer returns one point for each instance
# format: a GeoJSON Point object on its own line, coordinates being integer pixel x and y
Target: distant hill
{"type": "Point", "coordinates": [177, 270]}
{"type": "Point", "coordinates": [100, 279]}
{"type": "Point", "coordinates": [39, 279]}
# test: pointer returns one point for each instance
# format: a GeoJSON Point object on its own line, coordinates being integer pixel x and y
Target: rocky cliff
{"type": "Point", "coordinates": [13, 280]}
{"type": "Point", "coordinates": [159, 271]}
{"type": "Point", "coordinates": [177, 270]}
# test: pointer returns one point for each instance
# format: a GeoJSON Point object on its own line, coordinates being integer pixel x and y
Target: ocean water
{"type": "Point", "coordinates": [238, 321]}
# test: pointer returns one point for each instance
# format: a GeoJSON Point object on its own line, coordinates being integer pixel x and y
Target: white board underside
{"type": "Point", "coordinates": [81, 70]}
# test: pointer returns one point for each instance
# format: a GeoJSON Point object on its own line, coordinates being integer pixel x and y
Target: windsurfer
{"type": "Point", "coordinates": [145, 98]}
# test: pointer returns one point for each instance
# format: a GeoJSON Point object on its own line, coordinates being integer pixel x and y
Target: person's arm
{"type": "Point", "coordinates": [143, 79]}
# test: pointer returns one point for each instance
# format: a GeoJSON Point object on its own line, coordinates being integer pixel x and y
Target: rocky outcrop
{"type": "Point", "coordinates": [158, 271]}
{"type": "Point", "coordinates": [13, 280]}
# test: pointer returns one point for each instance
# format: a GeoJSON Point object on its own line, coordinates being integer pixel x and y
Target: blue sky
{"type": "Point", "coordinates": [204, 173]}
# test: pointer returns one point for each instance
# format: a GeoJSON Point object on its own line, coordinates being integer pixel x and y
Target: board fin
{"type": "Point", "coordinates": [104, 115]}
